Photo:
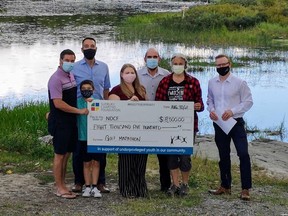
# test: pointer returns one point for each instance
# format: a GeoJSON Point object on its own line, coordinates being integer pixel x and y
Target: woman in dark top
{"type": "Point", "coordinates": [131, 167]}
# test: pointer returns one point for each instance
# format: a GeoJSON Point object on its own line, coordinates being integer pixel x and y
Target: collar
{"type": "Point", "coordinates": [62, 72]}
{"type": "Point", "coordinates": [159, 71]}
{"type": "Point", "coordinates": [83, 61]}
{"type": "Point", "coordinates": [228, 79]}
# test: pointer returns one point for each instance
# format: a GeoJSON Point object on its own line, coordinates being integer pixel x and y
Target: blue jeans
{"type": "Point", "coordinates": [239, 137]}
{"type": "Point", "coordinates": [77, 163]}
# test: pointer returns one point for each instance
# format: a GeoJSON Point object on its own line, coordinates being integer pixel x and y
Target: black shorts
{"type": "Point", "coordinates": [65, 138]}
{"type": "Point", "coordinates": [87, 157]}
{"type": "Point", "coordinates": [183, 162]}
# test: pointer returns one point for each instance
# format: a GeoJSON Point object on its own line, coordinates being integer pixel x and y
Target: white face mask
{"type": "Point", "coordinates": [129, 78]}
{"type": "Point", "coordinates": [178, 69]}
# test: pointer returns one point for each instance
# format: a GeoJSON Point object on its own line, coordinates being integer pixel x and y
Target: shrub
{"type": "Point", "coordinates": [215, 17]}
{"type": "Point", "coordinates": [244, 3]}
{"type": "Point", "coordinates": [244, 22]}
{"type": "Point", "coordinates": [285, 12]}
{"type": "Point", "coordinates": [21, 126]}
{"type": "Point", "coordinates": [267, 3]}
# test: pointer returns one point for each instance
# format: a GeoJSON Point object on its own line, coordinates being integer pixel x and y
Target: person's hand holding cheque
{"type": "Point", "coordinates": [134, 98]}
{"type": "Point", "coordinates": [197, 106]}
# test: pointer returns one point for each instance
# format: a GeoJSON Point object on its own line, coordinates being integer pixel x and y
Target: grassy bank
{"type": "Point", "coordinates": [226, 22]}
{"type": "Point", "coordinates": [20, 128]}
{"type": "Point", "coordinates": [21, 152]}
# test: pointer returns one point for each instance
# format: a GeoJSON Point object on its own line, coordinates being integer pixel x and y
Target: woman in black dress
{"type": "Point", "coordinates": [131, 167]}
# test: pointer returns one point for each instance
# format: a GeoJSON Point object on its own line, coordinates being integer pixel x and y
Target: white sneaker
{"type": "Point", "coordinates": [96, 193]}
{"type": "Point", "coordinates": [86, 192]}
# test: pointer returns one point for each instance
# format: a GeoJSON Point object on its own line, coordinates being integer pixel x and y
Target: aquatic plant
{"type": "Point", "coordinates": [20, 128]}
{"type": "Point", "coordinates": [240, 22]}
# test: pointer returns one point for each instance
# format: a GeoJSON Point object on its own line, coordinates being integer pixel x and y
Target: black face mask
{"type": "Point", "coordinates": [89, 53]}
{"type": "Point", "coordinates": [86, 93]}
{"type": "Point", "coordinates": [223, 70]}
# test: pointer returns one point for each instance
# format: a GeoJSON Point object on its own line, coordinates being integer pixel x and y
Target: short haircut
{"type": "Point", "coordinates": [150, 49]}
{"type": "Point", "coordinates": [222, 56]}
{"type": "Point", "coordinates": [88, 38]}
{"type": "Point", "coordinates": [89, 82]}
{"type": "Point", "coordinates": [66, 52]}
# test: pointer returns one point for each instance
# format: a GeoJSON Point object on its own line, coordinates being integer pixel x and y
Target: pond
{"type": "Point", "coordinates": [30, 54]}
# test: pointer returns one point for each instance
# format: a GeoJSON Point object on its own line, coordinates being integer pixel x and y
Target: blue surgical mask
{"type": "Point", "coordinates": [152, 63]}
{"type": "Point", "coordinates": [67, 66]}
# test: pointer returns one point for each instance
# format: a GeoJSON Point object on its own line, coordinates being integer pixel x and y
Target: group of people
{"type": "Point", "coordinates": [75, 84]}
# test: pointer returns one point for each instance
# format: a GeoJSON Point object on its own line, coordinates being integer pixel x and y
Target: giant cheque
{"type": "Point", "coordinates": [140, 127]}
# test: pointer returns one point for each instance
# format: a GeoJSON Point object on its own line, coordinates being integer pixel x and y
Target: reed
{"type": "Point", "coordinates": [228, 23]}
{"type": "Point", "coordinates": [20, 128]}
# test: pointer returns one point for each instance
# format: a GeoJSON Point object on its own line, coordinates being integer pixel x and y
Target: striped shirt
{"type": "Point", "coordinates": [62, 85]}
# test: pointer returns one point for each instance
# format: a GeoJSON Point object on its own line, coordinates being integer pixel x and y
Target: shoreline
{"type": "Point", "coordinates": [271, 155]}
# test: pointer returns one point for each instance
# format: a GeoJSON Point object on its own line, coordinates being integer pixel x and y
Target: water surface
{"type": "Point", "coordinates": [35, 32]}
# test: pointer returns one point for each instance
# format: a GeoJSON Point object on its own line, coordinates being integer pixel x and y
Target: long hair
{"type": "Point", "coordinates": [136, 84]}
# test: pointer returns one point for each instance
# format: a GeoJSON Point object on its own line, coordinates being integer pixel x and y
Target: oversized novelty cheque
{"type": "Point", "coordinates": [140, 127]}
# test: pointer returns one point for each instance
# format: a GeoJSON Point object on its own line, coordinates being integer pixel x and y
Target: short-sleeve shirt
{"type": "Point", "coordinates": [82, 120]}
{"type": "Point", "coordinates": [99, 74]}
{"type": "Point", "coordinates": [151, 82]}
{"type": "Point", "coordinates": [62, 85]}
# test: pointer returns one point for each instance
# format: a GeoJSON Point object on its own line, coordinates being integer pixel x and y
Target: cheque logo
{"type": "Point", "coordinates": [178, 139]}
{"type": "Point", "coordinates": [95, 106]}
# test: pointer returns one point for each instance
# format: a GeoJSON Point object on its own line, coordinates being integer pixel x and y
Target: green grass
{"type": "Point", "coordinates": [20, 129]}
{"type": "Point", "coordinates": [211, 37]}
{"type": "Point", "coordinates": [38, 158]}
{"type": "Point", "coordinates": [196, 64]}
{"type": "Point", "coordinates": [204, 175]}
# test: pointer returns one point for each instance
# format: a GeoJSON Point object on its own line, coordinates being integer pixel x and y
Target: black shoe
{"type": "Point", "coordinates": [173, 190]}
{"type": "Point", "coordinates": [164, 189]}
{"type": "Point", "coordinates": [184, 189]}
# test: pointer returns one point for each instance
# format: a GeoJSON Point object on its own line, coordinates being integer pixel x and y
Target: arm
{"type": "Point", "coordinates": [244, 105]}
{"type": "Point", "coordinates": [63, 106]}
{"type": "Point", "coordinates": [210, 103]}
{"type": "Point", "coordinates": [246, 100]}
{"type": "Point", "coordinates": [107, 84]}
{"type": "Point", "coordinates": [113, 97]}
{"type": "Point", "coordinates": [198, 105]}
{"type": "Point", "coordinates": [210, 99]}
{"type": "Point", "coordinates": [105, 94]}
{"type": "Point", "coordinates": [161, 91]}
